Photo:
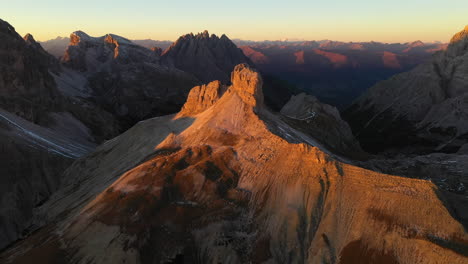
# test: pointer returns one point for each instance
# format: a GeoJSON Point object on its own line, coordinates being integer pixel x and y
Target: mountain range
{"type": "Point", "coordinates": [337, 72]}
{"type": "Point", "coordinates": [207, 152]}
{"type": "Point", "coordinates": [424, 107]}
{"type": "Point", "coordinates": [211, 188]}
{"type": "Point", "coordinates": [54, 111]}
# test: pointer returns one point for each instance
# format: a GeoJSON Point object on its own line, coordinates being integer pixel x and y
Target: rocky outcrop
{"type": "Point", "coordinates": [426, 107]}
{"type": "Point", "coordinates": [125, 78]}
{"type": "Point", "coordinates": [323, 122]}
{"type": "Point", "coordinates": [42, 129]}
{"type": "Point", "coordinates": [202, 97]}
{"type": "Point", "coordinates": [207, 57]}
{"type": "Point", "coordinates": [26, 87]}
{"type": "Point", "coordinates": [235, 184]}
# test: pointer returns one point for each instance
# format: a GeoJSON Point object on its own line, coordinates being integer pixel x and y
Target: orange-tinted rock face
{"type": "Point", "coordinates": [237, 185]}
{"type": "Point", "coordinates": [390, 60]}
{"type": "Point", "coordinates": [202, 97]}
{"type": "Point", "coordinates": [336, 59]}
{"type": "Point", "coordinates": [299, 57]}
{"type": "Point", "coordinates": [248, 83]}
{"type": "Point", "coordinates": [426, 107]}
{"type": "Point", "coordinates": [256, 56]}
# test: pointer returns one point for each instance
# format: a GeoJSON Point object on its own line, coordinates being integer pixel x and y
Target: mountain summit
{"type": "Point", "coordinates": [232, 183]}
{"type": "Point", "coordinates": [209, 57]}
{"type": "Point", "coordinates": [126, 78]}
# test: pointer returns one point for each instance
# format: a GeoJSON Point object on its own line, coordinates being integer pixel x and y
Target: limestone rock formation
{"type": "Point", "coordinates": [427, 106]}
{"type": "Point", "coordinates": [322, 122]}
{"type": "Point", "coordinates": [125, 78]}
{"type": "Point", "coordinates": [202, 97]}
{"type": "Point", "coordinates": [235, 184]}
{"type": "Point", "coordinates": [26, 87]}
{"type": "Point", "coordinates": [32, 159]}
{"type": "Point", "coordinates": [41, 129]}
{"type": "Point", "coordinates": [208, 57]}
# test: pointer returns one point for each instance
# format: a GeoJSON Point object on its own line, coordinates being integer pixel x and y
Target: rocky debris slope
{"type": "Point", "coordinates": [323, 122]}
{"type": "Point", "coordinates": [42, 129]}
{"type": "Point", "coordinates": [427, 106]}
{"type": "Point", "coordinates": [449, 172]}
{"type": "Point", "coordinates": [208, 57]}
{"type": "Point", "coordinates": [235, 184]}
{"type": "Point", "coordinates": [32, 158]}
{"type": "Point", "coordinates": [126, 79]}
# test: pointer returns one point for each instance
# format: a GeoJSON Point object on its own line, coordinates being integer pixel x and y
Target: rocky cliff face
{"type": "Point", "coordinates": [26, 87]}
{"type": "Point", "coordinates": [230, 182]}
{"type": "Point", "coordinates": [127, 79]}
{"type": "Point", "coordinates": [32, 159]}
{"type": "Point", "coordinates": [322, 122]}
{"type": "Point", "coordinates": [426, 106]}
{"type": "Point", "coordinates": [208, 57]}
{"type": "Point", "coordinates": [42, 130]}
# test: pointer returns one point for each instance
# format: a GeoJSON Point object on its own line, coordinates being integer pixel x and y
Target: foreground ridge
{"type": "Point", "coordinates": [227, 181]}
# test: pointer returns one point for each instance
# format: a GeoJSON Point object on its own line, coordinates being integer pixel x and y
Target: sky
{"type": "Point", "coordinates": [351, 20]}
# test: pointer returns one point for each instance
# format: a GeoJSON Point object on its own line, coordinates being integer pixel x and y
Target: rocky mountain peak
{"type": "Point", "coordinates": [6, 28]}
{"type": "Point", "coordinates": [208, 57]}
{"type": "Point", "coordinates": [202, 97]}
{"type": "Point", "coordinates": [26, 85]}
{"type": "Point", "coordinates": [157, 50]}
{"type": "Point", "coordinates": [78, 36]}
{"type": "Point", "coordinates": [29, 38]}
{"type": "Point", "coordinates": [323, 122]}
{"type": "Point", "coordinates": [458, 44]}
{"type": "Point", "coordinates": [460, 36]}
{"type": "Point", "coordinates": [417, 43]}
{"type": "Point", "coordinates": [117, 40]}
{"type": "Point", "coordinates": [205, 34]}
{"type": "Point", "coordinates": [248, 83]}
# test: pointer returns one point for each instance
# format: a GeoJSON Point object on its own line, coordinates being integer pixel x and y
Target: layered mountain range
{"type": "Point", "coordinates": [336, 72]}
{"type": "Point", "coordinates": [126, 79]}
{"type": "Point", "coordinates": [425, 107]}
{"type": "Point", "coordinates": [227, 181]}
{"type": "Point", "coordinates": [54, 111]}
{"type": "Point", "coordinates": [119, 153]}
{"type": "Point", "coordinates": [57, 46]}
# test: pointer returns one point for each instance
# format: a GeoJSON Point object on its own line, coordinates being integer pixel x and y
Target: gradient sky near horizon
{"type": "Point", "coordinates": [355, 20]}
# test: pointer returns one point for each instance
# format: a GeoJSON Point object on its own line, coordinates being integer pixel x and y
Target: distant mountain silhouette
{"type": "Point", "coordinates": [336, 72]}
{"type": "Point", "coordinates": [425, 107]}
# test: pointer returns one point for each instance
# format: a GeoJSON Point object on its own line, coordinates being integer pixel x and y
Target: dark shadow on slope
{"type": "Point", "coordinates": [448, 172]}
{"type": "Point", "coordinates": [277, 91]}
{"type": "Point", "coordinates": [457, 206]}
{"type": "Point", "coordinates": [114, 157]}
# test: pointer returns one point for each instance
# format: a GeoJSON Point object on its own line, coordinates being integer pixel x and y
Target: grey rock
{"type": "Point", "coordinates": [323, 122]}
{"type": "Point", "coordinates": [208, 57]}
{"type": "Point", "coordinates": [426, 106]}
